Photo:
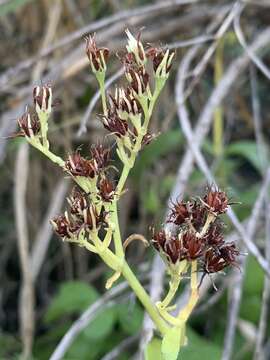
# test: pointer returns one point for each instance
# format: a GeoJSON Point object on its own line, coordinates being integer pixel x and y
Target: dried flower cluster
{"type": "Point", "coordinates": [82, 218]}
{"type": "Point", "coordinates": [198, 234]}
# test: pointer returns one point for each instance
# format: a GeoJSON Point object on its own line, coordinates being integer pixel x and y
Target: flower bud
{"type": "Point", "coordinates": [64, 227]}
{"type": "Point", "coordinates": [178, 213]}
{"type": "Point", "coordinates": [162, 61]}
{"type": "Point", "coordinates": [125, 103]}
{"type": "Point", "coordinates": [100, 155]}
{"type": "Point", "coordinates": [136, 48]}
{"type": "Point", "coordinates": [216, 200]}
{"type": "Point", "coordinates": [97, 56]}
{"type": "Point", "coordinates": [115, 124]}
{"type": "Point", "coordinates": [29, 125]}
{"type": "Point", "coordinates": [42, 97]}
{"type": "Point", "coordinates": [77, 165]}
{"type": "Point", "coordinates": [106, 190]}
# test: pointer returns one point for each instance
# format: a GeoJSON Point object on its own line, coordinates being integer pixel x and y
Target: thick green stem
{"type": "Point", "coordinates": [185, 313]}
{"type": "Point", "coordinates": [119, 251]}
{"type": "Point", "coordinates": [54, 158]}
{"type": "Point", "coordinates": [117, 264]}
{"type": "Point", "coordinates": [144, 298]}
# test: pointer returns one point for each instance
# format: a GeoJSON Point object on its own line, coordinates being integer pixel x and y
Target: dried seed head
{"type": "Point", "coordinates": [101, 155]}
{"type": "Point", "coordinates": [178, 213]}
{"type": "Point", "coordinates": [158, 239]}
{"type": "Point", "coordinates": [94, 219]}
{"type": "Point", "coordinates": [173, 249]}
{"type": "Point", "coordinates": [136, 48]}
{"type": "Point", "coordinates": [216, 200]}
{"type": "Point", "coordinates": [193, 245]}
{"type": "Point", "coordinates": [106, 190]}
{"type": "Point", "coordinates": [124, 103]}
{"type": "Point", "coordinates": [162, 61]}
{"type": "Point", "coordinates": [97, 56]}
{"type": "Point", "coordinates": [77, 165]}
{"type": "Point", "coordinates": [29, 125]}
{"type": "Point", "coordinates": [63, 226]}
{"type": "Point", "coordinates": [214, 236]}
{"type": "Point", "coordinates": [42, 97]}
{"type": "Point", "coordinates": [77, 202]}
{"type": "Point", "coordinates": [148, 138]}
{"type": "Point", "coordinates": [213, 262]}
{"type": "Point", "coordinates": [115, 124]}
{"type": "Point", "coordinates": [198, 215]}
{"type": "Point", "coordinates": [138, 79]}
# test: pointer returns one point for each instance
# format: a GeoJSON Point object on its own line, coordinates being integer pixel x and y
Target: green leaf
{"type": "Point", "coordinates": [151, 200]}
{"type": "Point", "coordinates": [11, 6]}
{"type": "Point", "coordinates": [153, 350]}
{"type": "Point", "coordinates": [73, 296]}
{"type": "Point", "coordinates": [130, 318]}
{"type": "Point", "coordinates": [83, 349]}
{"type": "Point", "coordinates": [249, 151]}
{"type": "Point", "coordinates": [199, 348]}
{"type": "Point", "coordinates": [171, 343]}
{"type": "Point", "coordinates": [254, 278]}
{"type": "Point", "coordinates": [102, 325]}
{"type": "Point", "coordinates": [163, 145]}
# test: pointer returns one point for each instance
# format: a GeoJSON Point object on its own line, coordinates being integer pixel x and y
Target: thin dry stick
{"type": "Point", "coordinates": [261, 146]}
{"type": "Point", "coordinates": [238, 285]}
{"type": "Point", "coordinates": [26, 306]}
{"type": "Point", "coordinates": [88, 315]}
{"type": "Point", "coordinates": [240, 36]}
{"type": "Point", "coordinates": [200, 67]}
{"type": "Point", "coordinates": [26, 303]}
{"type": "Point", "coordinates": [94, 100]}
{"type": "Point", "coordinates": [118, 350]}
{"type": "Point", "coordinates": [92, 27]}
{"type": "Point", "coordinates": [44, 234]}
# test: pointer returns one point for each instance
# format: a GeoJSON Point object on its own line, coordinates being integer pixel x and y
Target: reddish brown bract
{"type": "Point", "coordinates": [29, 125]}
{"type": "Point", "coordinates": [42, 96]}
{"type": "Point", "coordinates": [106, 189]}
{"type": "Point", "coordinates": [79, 166]}
{"type": "Point", "coordinates": [178, 213]}
{"type": "Point", "coordinates": [96, 55]}
{"type": "Point", "coordinates": [114, 124]}
{"type": "Point", "coordinates": [217, 201]}
{"type": "Point", "coordinates": [157, 55]}
{"type": "Point", "coordinates": [101, 155]}
{"type": "Point", "coordinates": [191, 240]}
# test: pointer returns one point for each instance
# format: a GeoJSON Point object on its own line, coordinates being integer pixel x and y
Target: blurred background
{"type": "Point", "coordinates": [213, 121]}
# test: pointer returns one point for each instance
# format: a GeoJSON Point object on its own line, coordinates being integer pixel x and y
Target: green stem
{"type": "Point", "coordinates": [101, 81]}
{"type": "Point", "coordinates": [115, 263]}
{"type": "Point", "coordinates": [185, 313]}
{"type": "Point", "coordinates": [174, 284]}
{"type": "Point", "coordinates": [144, 298]}
{"type": "Point", "coordinates": [119, 251]}
{"type": "Point", "coordinates": [43, 119]}
{"type": "Point", "coordinates": [54, 158]}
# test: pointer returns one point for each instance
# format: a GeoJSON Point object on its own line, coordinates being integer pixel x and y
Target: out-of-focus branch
{"type": "Point", "coordinates": [26, 304]}
{"type": "Point", "coordinates": [240, 36]}
{"type": "Point", "coordinates": [88, 315]}
{"type": "Point", "coordinates": [44, 235]}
